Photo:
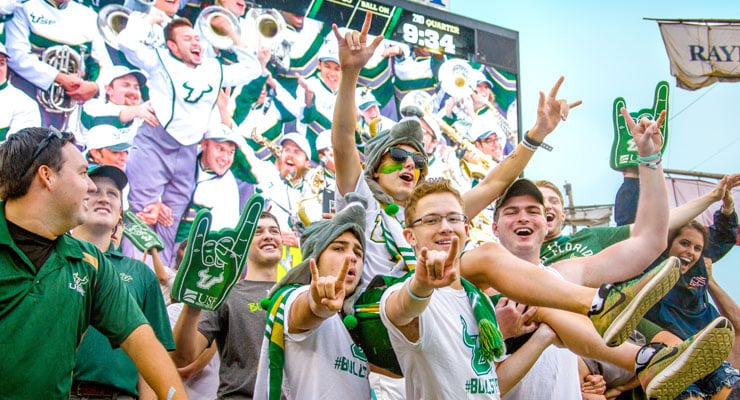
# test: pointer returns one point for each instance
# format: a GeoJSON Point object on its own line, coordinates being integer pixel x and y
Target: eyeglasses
{"type": "Point", "coordinates": [400, 155]}
{"type": "Point", "coordinates": [436, 219]}
{"type": "Point", "coordinates": [44, 143]}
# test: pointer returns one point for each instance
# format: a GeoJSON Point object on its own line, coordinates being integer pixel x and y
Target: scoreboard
{"type": "Point", "coordinates": [416, 25]}
{"type": "Point", "coordinates": [433, 29]}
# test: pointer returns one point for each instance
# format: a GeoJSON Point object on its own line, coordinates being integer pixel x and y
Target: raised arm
{"type": "Point", "coordinates": [550, 111]}
{"type": "Point", "coordinates": [189, 342]}
{"type": "Point", "coordinates": [628, 258]}
{"type": "Point", "coordinates": [354, 52]}
{"type": "Point", "coordinates": [323, 300]}
{"type": "Point", "coordinates": [434, 269]}
{"type": "Point", "coordinates": [681, 215]}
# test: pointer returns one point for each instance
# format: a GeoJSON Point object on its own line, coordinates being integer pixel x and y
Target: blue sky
{"type": "Point", "coordinates": [606, 50]}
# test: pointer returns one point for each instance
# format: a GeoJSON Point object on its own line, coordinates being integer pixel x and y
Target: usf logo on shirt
{"type": "Point", "coordinates": [196, 90]}
{"type": "Point", "coordinates": [478, 364]}
{"type": "Point", "coordinates": [356, 366]}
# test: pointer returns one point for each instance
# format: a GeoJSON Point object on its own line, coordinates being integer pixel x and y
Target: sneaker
{"type": "Point", "coordinates": [627, 302]}
{"type": "Point", "coordinates": [670, 370]}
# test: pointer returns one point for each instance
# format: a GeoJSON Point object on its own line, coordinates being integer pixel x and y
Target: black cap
{"type": "Point", "coordinates": [520, 187]}
{"type": "Point", "coordinates": [109, 171]}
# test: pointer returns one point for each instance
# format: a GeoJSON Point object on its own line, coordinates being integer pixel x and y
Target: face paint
{"type": "Point", "coordinates": [391, 168]}
{"type": "Point", "coordinates": [417, 174]}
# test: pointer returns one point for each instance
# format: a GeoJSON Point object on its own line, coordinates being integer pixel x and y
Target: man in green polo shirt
{"type": "Point", "coordinates": [53, 286]}
{"type": "Point", "coordinates": [99, 369]}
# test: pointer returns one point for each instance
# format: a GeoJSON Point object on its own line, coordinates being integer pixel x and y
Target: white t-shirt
{"type": "Point", "coordinates": [553, 376]}
{"type": "Point", "coordinates": [445, 362]}
{"type": "Point", "coordinates": [322, 363]}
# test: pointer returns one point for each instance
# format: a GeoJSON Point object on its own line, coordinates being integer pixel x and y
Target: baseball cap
{"type": "Point", "coordinates": [364, 99]}
{"type": "Point", "coordinates": [116, 71]}
{"type": "Point", "coordinates": [481, 78]}
{"type": "Point", "coordinates": [480, 130]}
{"type": "Point", "coordinates": [109, 171]}
{"type": "Point", "coordinates": [4, 51]}
{"type": "Point", "coordinates": [107, 137]}
{"type": "Point", "coordinates": [329, 52]}
{"type": "Point", "coordinates": [323, 141]}
{"type": "Point", "coordinates": [299, 140]}
{"type": "Point", "coordinates": [520, 187]}
{"type": "Point", "coordinates": [222, 133]}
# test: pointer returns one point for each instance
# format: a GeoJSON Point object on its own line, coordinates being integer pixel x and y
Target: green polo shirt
{"type": "Point", "coordinates": [586, 242]}
{"type": "Point", "coordinates": [96, 360]}
{"type": "Point", "coordinates": [45, 313]}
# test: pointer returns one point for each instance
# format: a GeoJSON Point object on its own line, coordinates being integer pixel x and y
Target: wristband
{"type": "Point", "coordinates": [533, 145]}
{"type": "Point", "coordinates": [651, 165]}
{"type": "Point", "coordinates": [649, 158]}
{"type": "Point", "coordinates": [413, 296]}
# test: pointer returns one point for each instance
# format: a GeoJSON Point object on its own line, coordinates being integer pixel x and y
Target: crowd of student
{"type": "Point", "coordinates": [400, 257]}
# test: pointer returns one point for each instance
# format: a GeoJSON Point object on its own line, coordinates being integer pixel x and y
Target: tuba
{"type": "Point", "coordinates": [112, 19]}
{"type": "Point", "coordinates": [64, 59]}
{"type": "Point", "coordinates": [269, 26]}
{"type": "Point", "coordinates": [213, 35]}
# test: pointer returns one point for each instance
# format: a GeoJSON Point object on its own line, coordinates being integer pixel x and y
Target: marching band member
{"type": "Point", "coordinates": [37, 26]}
{"type": "Point", "coordinates": [184, 88]}
{"type": "Point", "coordinates": [17, 110]}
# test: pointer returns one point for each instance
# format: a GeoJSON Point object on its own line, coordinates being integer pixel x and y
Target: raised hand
{"type": "Point", "coordinates": [140, 234]}
{"type": "Point", "coordinates": [327, 292]}
{"type": "Point", "coordinates": [550, 111]}
{"type": "Point", "coordinates": [514, 319]}
{"type": "Point", "coordinates": [624, 149]}
{"type": "Point", "coordinates": [354, 51]}
{"type": "Point", "coordinates": [436, 268]}
{"type": "Point", "coordinates": [646, 133]}
{"type": "Point", "coordinates": [214, 261]}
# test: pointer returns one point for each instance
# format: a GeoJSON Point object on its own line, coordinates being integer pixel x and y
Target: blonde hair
{"type": "Point", "coordinates": [427, 187]}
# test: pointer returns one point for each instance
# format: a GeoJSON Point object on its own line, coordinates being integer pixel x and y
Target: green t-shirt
{"type": "Point", "coordinates": [44, 314]}
{"type": "Point", "coordinates": [96, 360]}
{"type": "Point", "coordinates": [586, 242]}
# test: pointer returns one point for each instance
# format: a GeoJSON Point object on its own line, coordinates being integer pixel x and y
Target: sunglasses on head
{"type": "Point", "coordinates": [400, 155]}
{"type": "Point", "coordinates": [44, 143]}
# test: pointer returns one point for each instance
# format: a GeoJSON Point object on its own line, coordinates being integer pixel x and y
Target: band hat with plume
{"type": "Point", "coordinates": [406, 131]}
{"type": "Point", "coordinates": [320, 234]}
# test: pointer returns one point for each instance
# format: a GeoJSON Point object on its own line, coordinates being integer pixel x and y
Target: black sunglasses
{"type": "Point", "coordinates": [44, 143]}
{"type": "Point", "coordinates": [400, 155]}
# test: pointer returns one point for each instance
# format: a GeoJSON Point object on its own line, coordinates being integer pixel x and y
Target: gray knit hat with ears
{"type": "Point", "coordinates": [406, 131]}
{"type": "Point", "coordinates": [320, 234]}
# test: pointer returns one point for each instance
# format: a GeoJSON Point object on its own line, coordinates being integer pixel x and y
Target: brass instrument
{"type": "Point", "coordinates": [64, 59]}
{"type": "Point", "coordinates": [112, 19]}
{"type": "Point", "coordinates": [215, 36]}
{"type": "Point", "coordinates": [310, 206]}
{"type": "Point", "coordinates": [419, 101]}
{"type": "Point", "coordinates": [456, 77]}
{"type": "Point", "coordinates": [275, 149]}
{"type": "Point", "coordinates": [269, 27]}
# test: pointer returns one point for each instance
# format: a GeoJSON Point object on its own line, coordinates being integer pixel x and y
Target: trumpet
{"type": "Point", "coordinates": [269, 26]}
{"type": "Point", "coordinates": [456, 78]}
{"type": "Point", "coordinates": [215, 36]}
{"type": "Point", "coordinates": [112, 19]}
{"type": "Point", "coordinates": [64, 59]}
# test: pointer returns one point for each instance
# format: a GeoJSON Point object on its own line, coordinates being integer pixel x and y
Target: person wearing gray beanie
{"type": "Point", "coordinates": [308, 352]}
{"type": "Point", "coordinates": [395, 161]}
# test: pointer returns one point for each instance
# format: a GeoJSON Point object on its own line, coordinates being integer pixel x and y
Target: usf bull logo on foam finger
{"type": "Point", "coordinates": [624, 149]}
{"type": "Point", "coordinates": [140, 234]}
{"type": "Point", "coordinates": [214, 261]}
